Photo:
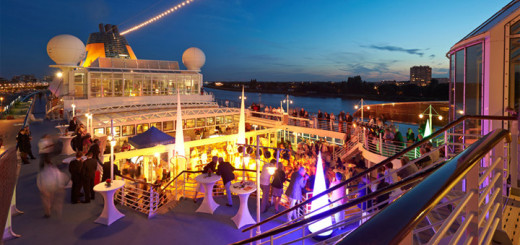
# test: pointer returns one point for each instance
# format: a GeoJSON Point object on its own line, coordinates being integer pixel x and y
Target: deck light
{"type": "Point", "coordinates": [319, 187]}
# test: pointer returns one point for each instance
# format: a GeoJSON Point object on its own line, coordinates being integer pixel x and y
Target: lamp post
{"type": "Point", "coordinates": [287, 101]}
{"type": "Point", "coordinates": [429, 112]}
{"type": "Point", "coordinates": [362, 108]}
{"type": "Point", "coordinates": [88, 115]}
{"type": "Point", "coordinates": [2, 104]}
{"type": "Point", "coordinates": [112, 144]}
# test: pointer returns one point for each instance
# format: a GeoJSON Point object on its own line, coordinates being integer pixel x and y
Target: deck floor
{"type": "Point", "coordinates": [181, 225]}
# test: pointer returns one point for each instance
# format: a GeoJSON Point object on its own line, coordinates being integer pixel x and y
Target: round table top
{"type": "Point", "coordinates": [116, 184]}
{"type": "Point", "coordinates": [62, 126]}
{"type": "Point", "coordinates": [203, 178]}
{"type": "Point", "coordinates": [243, 188]}
{"type": "Point", "coordinates": [66, 136]}
{"type": "Point", "coordinates": [69, 159]}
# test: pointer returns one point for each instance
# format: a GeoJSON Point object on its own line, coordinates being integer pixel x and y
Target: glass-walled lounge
{"type": "Point", "coordinates": [128, 84]}
{"type": "Point", "coordinates": [466, 79]}
{"type": "Point", "coordinates": [168, 126]}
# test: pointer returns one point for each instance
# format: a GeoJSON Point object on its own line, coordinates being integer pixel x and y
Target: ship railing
{"type": "Point", "coordinates": [149, 198]}
{"type": "Point", "coordinates": [300, 121]}
{"type": "Point", "coordinates": [269, 116]}
{"type": "Point", "coordinates": [406, 183]}
{"type": "Point", "coordinates": [473, 217]}
{"type": "Point", "coordinates": [138, 195]}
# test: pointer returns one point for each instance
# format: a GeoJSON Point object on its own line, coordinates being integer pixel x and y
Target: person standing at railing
{"type": "Point", "coordinates": [23, 143]}
{"type": "Point", "coordinates": [265, 180]}
{"type": "Point", "coordinates": [106, 169]}
{"type": "Point", "coordinates": [73, 124]}
{"type": "Point", "coordinates": [332, 118]}
{"type": "Point", "coordinates": [410, 136]}
{"type": "Point", "coordinates": [88, 173]}
{"type": "Point", "coordinates": [435, 154]}
{"type": "Point", "coordinates": [337, 197]}
{"type": "Point", "coordinates": [28, 142]}
{"type": "Point", "coordinates": [382, 200]}
{"type": "Point", "coordinates": [425, 161]}
{"type": "Point", "coordinates": [277, 186]}
{"type": "Point", "coordinates": [294, 190]}
{"type": "Point", "coordinates": [363, 190]}
{"type": "Point", "coordinates": [407, 171]}
{"type": "Point", "coordinates": [75, 167]}
{"type": "Point", "coordinates": [226, 171]}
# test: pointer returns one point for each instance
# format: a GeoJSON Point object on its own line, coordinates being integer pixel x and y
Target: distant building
{"type": "Point", "coordinates": [421, 75]}
{"type": "Point", "coordinates": [24, 79]}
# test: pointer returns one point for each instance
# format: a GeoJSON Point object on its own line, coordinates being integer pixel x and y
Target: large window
{"type": "Point", "coordinates": [80, 85]}
{"type": "Point", "coordinates": [514, 74]}
{"type": "Point", "coordinates": [466, 78]}
{"type": "Point", "coordinates": [459, 84]}
{"type": "Point", "coordinates": [108, 84]}
{"type": "Point", "coordinates": [473, 79]}
{"type": "Point", "coordinates": [95, 85]}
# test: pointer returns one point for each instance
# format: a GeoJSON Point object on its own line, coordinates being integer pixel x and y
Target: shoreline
{"type": "Point", "coordinates": [328, 95]}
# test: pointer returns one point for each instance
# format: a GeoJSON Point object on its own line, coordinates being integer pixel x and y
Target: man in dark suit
{"type": "Point", "coordinates": [88, 173]}
{"type": "Point", "coordinates": [94, 149]}
{"type": "Point", "coordinates": [73, 124]}
{"type": "Point", "coordinates": [212, 166]}
{"type": "Point", "coordinates": [106, 170]}
{"type": "Point", "coordinates": [226, 171]}
{"type": "Point", "coordinates": [294, 190]}
{"type": "Point", "coordinates": [75, 167]}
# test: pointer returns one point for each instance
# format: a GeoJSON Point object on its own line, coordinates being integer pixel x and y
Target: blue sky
{"type": "Point", "coordinates": [270, 40]}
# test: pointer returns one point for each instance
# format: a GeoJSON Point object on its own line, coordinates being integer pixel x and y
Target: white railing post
{"type": "Point", "coordinates": [446, 145]}
{"type": "Point", "coordinates": [472, 178]}
{"type": "Point", "coordinates": [514, 150]}
{"type": "Point", "coordinates": [380, 144]}
{"type": "Point", "coordinates": [122, 195]}
{"type": "Point", "coordinates": [151, 205]}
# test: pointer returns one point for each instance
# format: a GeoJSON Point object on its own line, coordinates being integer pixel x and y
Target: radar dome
{"type": "Point", "coordinates": [193, 58]}
{"type": "Point", "coordinates": [66, 50]}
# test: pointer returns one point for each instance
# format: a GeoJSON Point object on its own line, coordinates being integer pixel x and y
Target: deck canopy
{"type": "Point", "coordinates": [151, 138]}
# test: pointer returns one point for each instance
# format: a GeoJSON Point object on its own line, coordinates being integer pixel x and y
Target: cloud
{"type": "Point", "coordinates": [432, 56]}
{"type": "Point", "coordinates": [374, 71]}
{"type": "Point", "coordinates": [413, 51]}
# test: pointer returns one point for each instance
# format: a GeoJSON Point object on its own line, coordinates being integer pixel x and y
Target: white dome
{"type": "Point", "coordinates": [193, 58]}
{"type": "Point", "coordinates": [66, 50]}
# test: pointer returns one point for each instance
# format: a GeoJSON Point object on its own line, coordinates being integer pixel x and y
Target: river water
{"type": "Point", "coordinates": [310, 104]}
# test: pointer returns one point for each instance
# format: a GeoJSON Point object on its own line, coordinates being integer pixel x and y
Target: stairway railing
{"type": "Point", "coordinates": [406, 212]}
{"type": "Point", "coordinates": [357, 176]}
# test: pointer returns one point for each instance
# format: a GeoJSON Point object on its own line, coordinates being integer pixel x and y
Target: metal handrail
{"type": "Point", "coordinates": [409, 180]}
{"type": "Point", "coordinates": [192, 172]}
{"type": "Point", "coordinates": [406, 212]}
{"type": "Point", "coordinates": [382, 163]}
{"type": "Point", "coordinates": [175, 178]}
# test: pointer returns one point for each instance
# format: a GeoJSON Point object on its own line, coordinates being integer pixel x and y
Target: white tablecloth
{"type": "Point", "coordinates": [243, 216]}
{"type": "Point", "coordinates": [110, 213]}
{"type": "Point", "coordinates": [208, 204]}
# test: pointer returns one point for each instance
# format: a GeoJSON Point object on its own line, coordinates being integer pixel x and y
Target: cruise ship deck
{"type": "Point", "coordinates": [180, 225]}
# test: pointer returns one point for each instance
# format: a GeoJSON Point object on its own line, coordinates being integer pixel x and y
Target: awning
{"type": "Point", "coordinates": [151, 138]}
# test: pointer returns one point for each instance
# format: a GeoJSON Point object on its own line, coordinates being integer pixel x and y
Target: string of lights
{"type": "Point", "coordinates": [157, 17]}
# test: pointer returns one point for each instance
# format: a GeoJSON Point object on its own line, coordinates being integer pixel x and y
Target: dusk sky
{"type": "Point", "coordinates": [271, 40]}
